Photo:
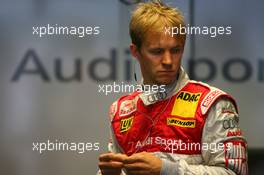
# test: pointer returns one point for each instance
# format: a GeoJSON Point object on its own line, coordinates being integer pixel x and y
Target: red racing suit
{"type": "Point", "coordinates": [192, 127]}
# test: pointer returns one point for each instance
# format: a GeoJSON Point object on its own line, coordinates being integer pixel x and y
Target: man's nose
{"type": "Point", "coordinates": [167, 58]}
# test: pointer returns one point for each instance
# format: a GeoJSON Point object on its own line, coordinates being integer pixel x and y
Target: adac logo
{"type": "Point", "coordinates": [190, 97]}
{"type": "Point", "coordinates": [181, 123]}
{"type": "Point", "coordinates": [185, 104]}
{"type": "Point", "coordinates": [125, 124]}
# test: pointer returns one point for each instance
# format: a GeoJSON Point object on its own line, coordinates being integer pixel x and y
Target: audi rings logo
{"type": "Point", "coordinates": [156, 97]}
{"type": "Point", "coordinates": [231, 123]}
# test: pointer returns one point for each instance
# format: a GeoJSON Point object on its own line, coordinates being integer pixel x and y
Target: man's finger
{"type": "Point", "coordinates": [138, 157]}
{"type": "Point", "coordinates": [112, 157]}
{"type": "Point", "coordinates": [110, 165]}
{"type": "Point", "coordinates": [105, 157]}
{"type": "Point", "coordinates": [137, 172]}
{"type": "Point", "coordinates": [111, 172]}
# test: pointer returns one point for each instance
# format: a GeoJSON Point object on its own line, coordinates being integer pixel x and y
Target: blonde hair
{"type": "Point", "coordinates": [152, 17]}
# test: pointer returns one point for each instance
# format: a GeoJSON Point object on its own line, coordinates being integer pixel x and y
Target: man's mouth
{"type": "Point", "coordinates": [169, 73]}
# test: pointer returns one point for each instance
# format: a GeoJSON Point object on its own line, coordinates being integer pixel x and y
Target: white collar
{"type": "Point", "coordinates": [149, 98]}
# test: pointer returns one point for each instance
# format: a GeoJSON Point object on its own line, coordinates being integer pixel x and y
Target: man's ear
{"type": "Point", "coordinates": [134, 50]}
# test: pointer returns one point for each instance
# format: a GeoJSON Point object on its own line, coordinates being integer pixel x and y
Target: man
{"type": "Point", "coordinates": [190, 128]}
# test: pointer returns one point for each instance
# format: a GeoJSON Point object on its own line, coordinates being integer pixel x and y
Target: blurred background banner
{"type": "Point", "coordinates": [49, 84]}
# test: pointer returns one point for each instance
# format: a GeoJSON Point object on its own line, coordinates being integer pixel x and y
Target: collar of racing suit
{"type": "Point", "coordinates": [180, 81]}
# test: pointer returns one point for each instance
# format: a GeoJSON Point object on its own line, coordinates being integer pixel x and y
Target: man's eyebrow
{"type": "Point", "coordinates": [156, 47]}
{"type": "Point", "coordinates": [159, 47]}
{"type": "Point", "coordinates": [178, 45]}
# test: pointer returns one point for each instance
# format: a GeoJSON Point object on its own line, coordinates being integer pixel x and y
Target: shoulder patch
{"type": "Point", "coordinates": [210, 98]}
{"type": "Point", "coordinates": [113, 110]}
{"type": "Point", "coordinates": [128, 107]}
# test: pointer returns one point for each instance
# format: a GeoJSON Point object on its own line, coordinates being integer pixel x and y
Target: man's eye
{"type": "Point", "coordinates": [156, 51]}
{"type": "Point", "coordinates": [175, 50]}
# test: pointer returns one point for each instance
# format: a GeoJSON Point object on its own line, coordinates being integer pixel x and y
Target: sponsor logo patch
{"type": "Point", "coordinates": [181, 123]}
{"type": "Point", "coordinates": [125, 124]}
{"type": "Point", "coordinates": [152, 98]}
{"type": "Point", "coordinates": [209, 99]}
{"type": "Point", "coordinates": [185, 104]}
{"type": "Point", "coordinates": [231, 123]}
{"type": "Point", "coordinates": [127, 107]}
{"type": "Point", "coordinates": [236, 156]}
{"type": "Point", "coordinates": [234, 133]}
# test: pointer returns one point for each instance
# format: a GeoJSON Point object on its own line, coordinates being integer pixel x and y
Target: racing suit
{"type": "Point", "coordinates": [192, 127]}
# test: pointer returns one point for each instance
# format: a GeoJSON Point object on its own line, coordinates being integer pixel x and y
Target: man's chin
{"type": "Point", "coordinates": [165, 81]}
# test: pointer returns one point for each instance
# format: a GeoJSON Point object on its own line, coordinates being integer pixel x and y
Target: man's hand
{"type": "Point", "coordinates": [142, 163]}
{"type": "Point", "coordinates": [111, 164]}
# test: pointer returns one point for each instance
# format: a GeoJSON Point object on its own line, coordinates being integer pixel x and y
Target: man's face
{"type": "Point", "coordinates": [159, 57]}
